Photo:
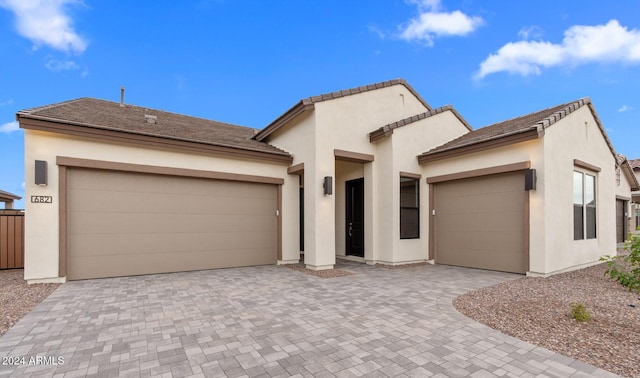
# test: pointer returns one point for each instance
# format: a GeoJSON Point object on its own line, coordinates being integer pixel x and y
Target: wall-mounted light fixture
{"type": "Point", "coordinates": [530, 179]}
{"type": "Point", "coordinates": [328, 185]}
{"type": "Point", "coordinates": [41, 173]}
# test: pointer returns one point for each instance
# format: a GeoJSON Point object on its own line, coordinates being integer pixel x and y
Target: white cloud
{"type": "Point", "coordinates": [625, 108]}
{"type": "Point", "coordinates": [432, 23]}
{"type": "Point", "coordinates": [9, 127]}
{"type": "Point", "coordinates": [7, 103]}
{"type": "Point", "coordinates": [530, 32]}
{"type": "Point", "coordinates": [46, 22]}
{"type": "Point", "coordinates": [56, 65]}
{"type": "Point", "coordinates": [581, 44]}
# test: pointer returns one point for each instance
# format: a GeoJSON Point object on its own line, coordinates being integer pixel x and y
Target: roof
{"type": "Point", "coordinates": [635, 164]}
{"type": "Point", "coordinates": [308, 104]}
{"type": "Point", "coordinates": [623, 163]}
{"type": "Point", "coordinates": [387, 130]}
{"type": "Point", "coordinates": [8, 197]}
{"type": "Point", "coordinates": [526, 127]}
{"type": "Point", "coordinates": [101, 115]}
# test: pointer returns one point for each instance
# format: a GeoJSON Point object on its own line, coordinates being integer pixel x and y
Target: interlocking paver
{"type": "Point", "coordinates": [275, 322]}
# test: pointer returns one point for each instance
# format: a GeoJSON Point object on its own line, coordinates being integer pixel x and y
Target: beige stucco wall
{"type": "Point", "coordinates": [408, 142]}
{"type": "Point", "coordinates": [343, 124]}
{"type": "Point", "coordinates": [42, 228]}
{"type": "Point", "coordinates": [577, 137]}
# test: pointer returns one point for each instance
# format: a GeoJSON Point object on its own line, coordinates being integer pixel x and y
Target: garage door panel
{"type": "Point", "coordinates": [148, 243]}
{"type": "Point", "coordinates": [480, 222]}
{"type": "Point", "coordinates": [127, 223]}
{"type": "Point", "coordinates": [129, 265]}
{"type": "Point", "coordinates": [122, 224]}
{"type": "Point", "coordinates": [106, 201]}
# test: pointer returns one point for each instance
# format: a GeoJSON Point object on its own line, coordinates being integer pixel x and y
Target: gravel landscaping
{"type": "Point", "coordinates": [537, 310]}
{"type": "Point", "coordinates": [17, 298]}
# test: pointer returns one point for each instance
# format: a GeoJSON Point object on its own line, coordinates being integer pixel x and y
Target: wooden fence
{"type": "Point", "coordinates": [11, 239]}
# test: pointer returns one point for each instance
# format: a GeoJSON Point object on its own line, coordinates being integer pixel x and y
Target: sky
{"type": "Point", "coordinates": [246, 62]}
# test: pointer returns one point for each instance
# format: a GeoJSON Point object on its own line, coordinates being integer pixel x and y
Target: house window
{"type": "Point", "coordinates": [584, 206]}
{"type": "Point", "coordinates": [409, 208]}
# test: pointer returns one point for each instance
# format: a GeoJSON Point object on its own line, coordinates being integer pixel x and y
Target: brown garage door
{"type": "Point", "coordinates": [480, 222]}
{"type": "Point", "coordinates": [121, 224]}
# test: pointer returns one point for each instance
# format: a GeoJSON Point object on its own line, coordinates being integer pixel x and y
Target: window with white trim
{"type": "Point", "coordinates": [584, 206]}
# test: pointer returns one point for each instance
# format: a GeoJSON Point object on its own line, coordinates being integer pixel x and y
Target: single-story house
{"type": "Point", "coordinates": [372, 174]}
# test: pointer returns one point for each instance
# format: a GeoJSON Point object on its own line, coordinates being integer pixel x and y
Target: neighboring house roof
{"type": "Point", "coordinates": [93, 117]}
{"type": "Point", "coordinates": [635, 164]}
{"type": "Point", "coordinates": [308, 104]}
{"type": "Point", "coordinates": [519, 129]}
{"type": "Point", "coordinates": [623, 163]}
{"type": "Point", "coordinates": [8, 197]}
{"type": "Point", "coordinates": [387, 130]}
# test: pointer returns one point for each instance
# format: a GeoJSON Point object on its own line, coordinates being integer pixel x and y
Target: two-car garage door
{"type": "Point", "coordinates": [121, 224]}
{"type": "Point", "coordinates": [480, 222]}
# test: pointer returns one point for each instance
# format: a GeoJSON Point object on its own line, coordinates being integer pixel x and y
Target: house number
{"type": "Point", "coordinates": [41, 199]}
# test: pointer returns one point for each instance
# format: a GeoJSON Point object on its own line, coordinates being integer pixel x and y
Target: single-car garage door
{"type": "Point", "coordinates": [480, 222]}
{"type": "Point", "coordinates": [121, 224]}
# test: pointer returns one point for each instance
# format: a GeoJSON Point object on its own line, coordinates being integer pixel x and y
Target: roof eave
{"type": "Point", "coordinates": [635, 185]}
{"type": "Point", "coordinates": [33, 122]}
{"type": "Point", "coordinates": [501, 141]}
{"type": "Point", "coordinates": [387, 130]}
{"type": "Point", "coordinates": [298, 109]}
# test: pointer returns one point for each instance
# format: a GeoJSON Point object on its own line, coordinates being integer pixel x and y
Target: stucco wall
{"type": "Point", "coordinates": [576, 137]}
{"type": "Point", "coordinates": [298, 138]}
{"type": "Point", "coordinates": [408, 142]}
{"type": "Point", "coordinates": [343, 124]}
{"type": "Point", "coordinates": [42, 228]}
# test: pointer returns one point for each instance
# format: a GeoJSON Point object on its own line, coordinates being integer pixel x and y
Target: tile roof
{"type": "Point", "coordinates": [635, 164]}
{"type": "Point", "coordinates": [536, 121]}
{"type": "Point", "coordinates": [387, 130]}
{"type": "Point", "coordinates": [108, 115]}
{"type": "Point", "coordinates": [308, 103]}
{"type": "Point", "coordinates": [624, 163]}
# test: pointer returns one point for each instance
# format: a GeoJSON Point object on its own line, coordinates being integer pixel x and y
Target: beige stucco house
{"type": "Point", "coordinates": [371, 174]}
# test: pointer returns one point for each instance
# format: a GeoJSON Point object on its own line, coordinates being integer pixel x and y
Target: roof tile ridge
{"type": "Point", "coordinates": [30, 111]}
{"type": "Point", "coordinates": [567, 109]}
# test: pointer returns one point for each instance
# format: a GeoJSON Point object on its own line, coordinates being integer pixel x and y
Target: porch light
{"type": "Point", "coordinates": [41, 173]}
{"type": "Point", "coordinates": [328, 185]}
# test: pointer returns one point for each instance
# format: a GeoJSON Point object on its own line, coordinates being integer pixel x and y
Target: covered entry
{"type": "Point", "coordinates": [122, 223]}
{"type": "Point", "coordinates": [480, 222]}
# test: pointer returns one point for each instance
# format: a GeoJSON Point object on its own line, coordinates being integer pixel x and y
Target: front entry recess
{"type": "Point", "coordinates": [355, 217]}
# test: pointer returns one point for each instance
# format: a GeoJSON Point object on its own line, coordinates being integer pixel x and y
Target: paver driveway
{"type": "Point", "coordinates": [272, 321]}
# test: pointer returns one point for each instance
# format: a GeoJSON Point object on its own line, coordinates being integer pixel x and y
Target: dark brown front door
{"type": "Point", "coordinates": [620, 221]}
{"type": "Point", "coordinates": [355, 217]}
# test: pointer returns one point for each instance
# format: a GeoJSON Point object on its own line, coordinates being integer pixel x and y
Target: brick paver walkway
{"type": "Point", "coordinates": [273, 322]}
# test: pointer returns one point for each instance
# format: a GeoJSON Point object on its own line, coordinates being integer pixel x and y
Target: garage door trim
{"type": "Point", "coordinates": [64, 163]}
{"type": "Point", "coordinates": [521, 166]}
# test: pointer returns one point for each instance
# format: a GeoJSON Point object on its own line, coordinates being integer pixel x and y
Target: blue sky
{"type": "Point", "coordinates": [246, 62]}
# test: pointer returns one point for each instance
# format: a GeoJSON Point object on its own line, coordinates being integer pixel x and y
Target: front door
{"type": "Point", "coordinates": [355, 217]}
